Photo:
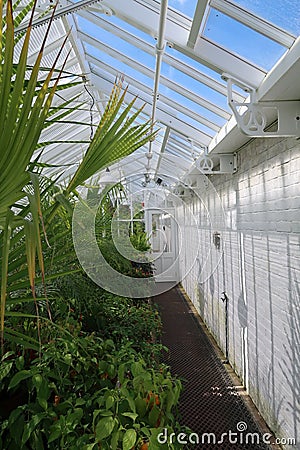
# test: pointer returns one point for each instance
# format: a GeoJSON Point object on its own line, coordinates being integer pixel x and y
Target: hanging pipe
{"type": "Point", "coordinates": [225, 299]}
{"type": "Point", "coordinates": [159, 48]}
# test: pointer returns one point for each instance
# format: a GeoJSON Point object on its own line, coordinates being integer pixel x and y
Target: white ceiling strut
{"type": "Point", "coordinates": [160, 48]}
{"type": "Point", "coordinates": [63, 9]}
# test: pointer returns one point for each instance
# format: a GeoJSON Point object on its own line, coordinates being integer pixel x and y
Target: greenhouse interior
{"type": "Point", "coordinates": [149, 224]}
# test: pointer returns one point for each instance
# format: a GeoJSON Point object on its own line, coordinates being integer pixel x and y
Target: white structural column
{"type": "Point", "coordinates": [198, 20]}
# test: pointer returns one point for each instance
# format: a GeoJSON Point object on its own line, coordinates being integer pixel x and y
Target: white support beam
{"type": "Point", "coordinates": [281, 83]}
{"type": "Point", "coordinates": [145, 18]}
{"type": "Point", "coordinates": [198, 21]}
{"type": "Point", "coordinates": [104, 82]}
{"type": "Point", "coordinates": [71, 27]}
{"type": "Point", "coordinates": [162, 149]}
{"type": "Point", "coordinates": [59, 13]}
{"type": "Point", "coordinates": [178, 150]}
{"type": "Point", "coordinates": [144, 91]}
{"type": "Point", "coordinates": [171, 84]}
{"type": "Point", "coordinates": [252, 21]}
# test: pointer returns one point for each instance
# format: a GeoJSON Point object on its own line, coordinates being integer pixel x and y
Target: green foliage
{"type": "Point", "coordinates": [90, 377]}
{"type": "Point", "coordinates": [85, 391]}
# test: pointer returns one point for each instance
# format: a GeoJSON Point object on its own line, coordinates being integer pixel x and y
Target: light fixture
{"type": "Point", "coordinates": [108, 178]}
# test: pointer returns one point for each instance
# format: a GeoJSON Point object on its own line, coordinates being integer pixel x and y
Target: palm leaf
{"type": "Point", "coordinates": [113, 139]}
{"type": "Point", "coordinates": [24, 107]}
{"type": "Point", "coordinates": [4, 274]}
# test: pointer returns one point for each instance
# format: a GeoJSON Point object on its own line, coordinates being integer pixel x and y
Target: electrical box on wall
{"type": "Point", "coordinates": [227, 163]}
{"type": "Point", "coordinates": [217, 240]}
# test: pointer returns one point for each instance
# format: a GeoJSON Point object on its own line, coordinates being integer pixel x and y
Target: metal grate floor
{"type": "Point", "coordinates": [210, 403]}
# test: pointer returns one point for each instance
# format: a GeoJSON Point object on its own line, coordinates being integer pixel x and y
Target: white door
{"type": "Point", "coordinates": [162, 231]}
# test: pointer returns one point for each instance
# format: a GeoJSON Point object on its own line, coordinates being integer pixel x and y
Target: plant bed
{"type": "Point", "coordinates": [85, 392]}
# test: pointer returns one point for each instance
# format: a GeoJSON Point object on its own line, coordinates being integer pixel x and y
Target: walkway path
{"type": "Point", "coordinates": [210, 403]}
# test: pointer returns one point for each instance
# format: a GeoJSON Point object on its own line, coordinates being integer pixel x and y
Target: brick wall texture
{"type": "Point", "coordinates": [257, 213]}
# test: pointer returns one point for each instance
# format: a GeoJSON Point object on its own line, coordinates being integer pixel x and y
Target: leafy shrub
{"type": "Point", "coordinates": [85, 392]}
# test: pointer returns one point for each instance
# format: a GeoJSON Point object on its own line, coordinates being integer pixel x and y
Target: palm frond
{"type": "Point", "coordinates": [114, 138]}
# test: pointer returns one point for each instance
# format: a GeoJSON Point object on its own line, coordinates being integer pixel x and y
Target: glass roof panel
{"type": "Point", "coordinates": [284, 13]}
{"type": "Point", "coordinates": [195, 64]}
{"type": "Point", "coordinates": [185, 6]}
{"type": "Point", "coordinates": [119, 66]}
{"type": "Point", "coordinates": [193, 85]}
{"type": "Point", "coordinates": [192, 105]}
{"type": "Point", "coordinates": [242, 40]}
{"type": "Point", "coordinates": [194, 123]}
{"type": "Point", "coordinates": [131, 29]}
{"type": "Point", "coordinates": [117, 43]}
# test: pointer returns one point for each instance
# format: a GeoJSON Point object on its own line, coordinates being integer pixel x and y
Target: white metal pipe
{"type": "Point", "coordinates": [160, 47]}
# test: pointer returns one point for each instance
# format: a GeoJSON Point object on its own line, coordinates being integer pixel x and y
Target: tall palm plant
{"type": "Point", "coordinates": [25, 107]}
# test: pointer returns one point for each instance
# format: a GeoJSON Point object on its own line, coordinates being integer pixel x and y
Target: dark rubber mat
{"type": "Point", "coordinates": [210, 404]}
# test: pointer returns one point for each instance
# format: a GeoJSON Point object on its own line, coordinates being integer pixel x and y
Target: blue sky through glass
{"type": "Point", "coordinates": [283, 13]}
{"type": "Point", "coordinates": [242, 40]}
{"type": "Point", "coordinates": [219, 28]}
{"type": "Point", "coordinates": [195, 86]}
{"type": "Point", "coordinates": [195, 64]}
{"type": "Point", "coordinates": [105, 37]}
{"type": "Point", "coordinates": [185, 6]}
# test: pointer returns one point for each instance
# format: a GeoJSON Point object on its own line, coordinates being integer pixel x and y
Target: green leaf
{"type": "Point", "coordinates": [109, 402]}
{"type": "Point", "coordinates": [131, 403]}
{"type": "Point", "coordinates": [114, 440]}
{"type": "Point", "coordinates": [5, 369]}
{"type": "Point", "coordinates": [15, 414]}
{"type": "Point", "coordinates": [20, 362]}
{"type": "Point", "coordinates": [105, 427]}
{"type": "Point", "coordinates": [132, 415]}
{"type": "Point", "coordinates": [154, 416]}
{"type": "Point", "coordinates": [129, 439]}
{"type": "Point", "coordinates": [7, 355]}
{"type": "Point", "coordinates": [141, 406]}
{"type": "Point", "coordinates": [80, 402]}
{"type": "Point", "coordinates": [137, 369]}
{"type": "Point", "coordinates": [54, 435]}
{"type": "Point", "coordinates": [153, 442]}
{"type": "Point", "coordinates": [75, 417]}
{"type": "Point", "coordinates": [170, 401]}
{"type": "Point", "coordinates": [37, 381]}
{"type": "Point", "coordinates": [31, 426]}
{"type": "Point", "coordinates": [18, 377]}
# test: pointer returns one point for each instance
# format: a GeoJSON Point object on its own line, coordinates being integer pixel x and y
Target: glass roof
{"type": "Point", "coordinates": [242, 40]}
{"type": "Point", "coordinates": [285, 13]}
{"type": "Point", "coordinates": [185, 6]}
{"type": "Point", "coordinates": [201, 39]}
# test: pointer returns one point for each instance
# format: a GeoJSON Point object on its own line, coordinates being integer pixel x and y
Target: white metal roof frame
{"type": "Point", "coordinates": [182, 35]}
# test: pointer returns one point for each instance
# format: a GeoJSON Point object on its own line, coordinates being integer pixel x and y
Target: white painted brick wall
{"type": "Point", "coordinates": [260, 272]}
